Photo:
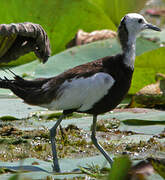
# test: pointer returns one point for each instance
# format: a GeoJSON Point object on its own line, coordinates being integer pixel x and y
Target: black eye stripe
{"type": "Point", "coordinates": [140, 20]}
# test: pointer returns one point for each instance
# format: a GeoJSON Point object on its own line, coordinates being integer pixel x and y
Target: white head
{"type": "Point", "coordinates": [130, 26]}
{"type": "Point", "coordinates": [135, 23]}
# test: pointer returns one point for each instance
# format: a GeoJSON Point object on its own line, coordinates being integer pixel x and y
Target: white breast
{"type": "Point", "coordinates": [82, 93]}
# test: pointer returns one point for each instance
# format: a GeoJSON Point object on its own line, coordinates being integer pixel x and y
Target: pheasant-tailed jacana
{"type": "Point", "coordinates": [95, 87]}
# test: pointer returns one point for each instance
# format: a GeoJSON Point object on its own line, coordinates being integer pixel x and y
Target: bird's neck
{"type": "Point", "coordinates": [128, 44]}
{"type": "Point", "coordinates": [129, 51]}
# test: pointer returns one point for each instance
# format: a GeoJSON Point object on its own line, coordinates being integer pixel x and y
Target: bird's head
{"type": "Point", "coordinates": [136, 23]}
{"type": "Point", "coordinates": [131, 25]}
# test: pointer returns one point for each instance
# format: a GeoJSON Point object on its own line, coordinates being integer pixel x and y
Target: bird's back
{"type": "Point", "coordinates": [84, 88]}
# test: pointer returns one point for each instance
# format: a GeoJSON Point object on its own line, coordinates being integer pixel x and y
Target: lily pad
{"type": "Point", "coordinates": [146, 66]}
{"type": "Point", "coordinates": [86, 53]}
{"type": "Point", "coordinates": [12, 109]}
{"type": "Point", "coordinates": [44, 169]}
{"type": "Point", "coordinates": [152, 35]}
{"type": "Point", "coordinates": [151, 123]}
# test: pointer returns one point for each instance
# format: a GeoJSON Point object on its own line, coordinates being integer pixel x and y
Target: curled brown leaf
{"type": "Point", "coordinates": [18, 39]}
{"type": "Point", "coordinates": [83, 37]}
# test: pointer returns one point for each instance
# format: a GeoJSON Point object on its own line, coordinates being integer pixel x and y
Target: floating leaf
{"type": "Point", "coordinates": [86, 53]}
{"type": "Point", "coordinates": [8, 118]}
{"type": "Point", "coordinates": [44, 168]}
{"type": "Point", "coordinates": [141, 122]}
{"type": "Point", "coordinates": [13, 109]}
{"type": "Point", "coordinates": [146, 66]}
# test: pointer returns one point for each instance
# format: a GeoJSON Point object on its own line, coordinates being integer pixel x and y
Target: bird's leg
{"type": "Point", "coordinates": [98, 146]}
{"type": "Point", "coordinates": [56, 166]}
{"type": "Point", "coordinates": [62, 132]}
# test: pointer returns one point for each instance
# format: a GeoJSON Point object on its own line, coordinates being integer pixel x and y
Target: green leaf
{"type": "Point", "coordinates": [8, 118]}
{"type": "Point", "coordinates": [86, 53]}
{"type": "Point", "coordinates": [116, 9]}
{"type": "Point", "coordinates": [145, 123]}
{"type": "Point", "coordinates": [76, 56]}
{"type": "Point", "coordinates": [140, 122]}
{"type": "Point", "coordinates": [146, 66]}
{"type": "Point", "coordinates": [14, 177]}
{"type": "Point", "coordinates": [120, 168]}
{"type": "Point", "coordinates": [13, 109]}
{"type": "Point", "coordinates": [44, 168]}
{"type": "Point", "coordinates": [60, 18]}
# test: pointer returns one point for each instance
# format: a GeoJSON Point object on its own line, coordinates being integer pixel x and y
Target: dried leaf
{"type": "Point", "coordinates": [85, 38]}
{"type": "Point", "coordinates": [18, 39]}
{"type": "Point", "coordinates": [152, 95]}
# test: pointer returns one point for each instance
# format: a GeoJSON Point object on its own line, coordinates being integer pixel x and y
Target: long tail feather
{"type": "Point", "coordinates": [29, 90]}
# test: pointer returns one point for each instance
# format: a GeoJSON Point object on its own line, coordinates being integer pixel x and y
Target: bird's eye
{"type": "Point", "coordinates": [140, 21]}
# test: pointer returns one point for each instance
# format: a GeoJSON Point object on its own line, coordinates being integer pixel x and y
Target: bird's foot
{"type": "Point", "coordinates": [56, 168]}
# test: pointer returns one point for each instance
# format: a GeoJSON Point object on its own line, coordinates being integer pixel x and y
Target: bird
{"type": "Point", "coordinates": [93, 88]}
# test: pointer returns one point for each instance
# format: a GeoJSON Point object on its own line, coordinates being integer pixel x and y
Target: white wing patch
{"type": "Point", "coordinates": [82, 93]}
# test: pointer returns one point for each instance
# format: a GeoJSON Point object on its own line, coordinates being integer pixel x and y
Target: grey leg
{"type": "Point", "coordinates": [98, 146]}
{"type": "Point", "coordinates": [56, 166]}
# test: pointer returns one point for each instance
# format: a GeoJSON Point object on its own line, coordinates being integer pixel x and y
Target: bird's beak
{"type": "Point", "coordinates": [151, 26]}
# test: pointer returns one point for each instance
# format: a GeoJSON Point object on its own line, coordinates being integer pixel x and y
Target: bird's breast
{"type": "Point", "coordinates": [115, 95]}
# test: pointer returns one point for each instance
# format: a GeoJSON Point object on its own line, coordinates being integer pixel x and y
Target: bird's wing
{"type": "Point", "coordinates": [81, 93]}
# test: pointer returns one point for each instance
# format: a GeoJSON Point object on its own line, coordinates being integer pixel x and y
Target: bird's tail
{"type": "Point", "coordinates": [28, 90]}
{"type": "Point", "coordinates": [15, 85]}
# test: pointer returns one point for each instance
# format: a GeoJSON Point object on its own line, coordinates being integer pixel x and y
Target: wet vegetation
{"type": "Point", "coordinates": [74, 142]}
